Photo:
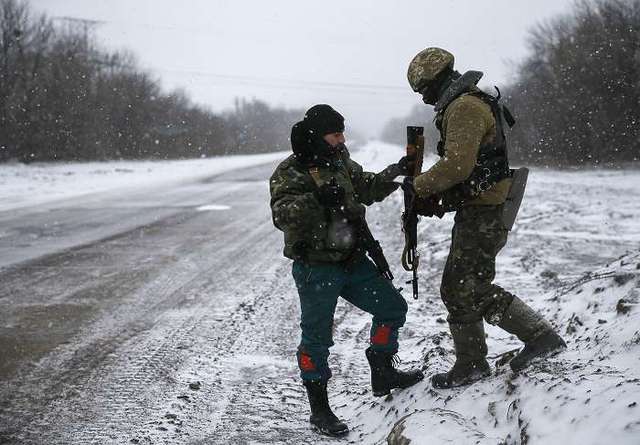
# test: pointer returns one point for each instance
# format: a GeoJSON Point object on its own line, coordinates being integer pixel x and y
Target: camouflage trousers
{"type": "Point", "coordinates": [467, 288]}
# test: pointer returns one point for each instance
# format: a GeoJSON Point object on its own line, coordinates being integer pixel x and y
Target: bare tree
{"type": "Point", "coordinates": [577, 96]}
{"type": "Point", "coordinates": [394, 132]}
{"type": "Point", "coordinates": [64, 98]}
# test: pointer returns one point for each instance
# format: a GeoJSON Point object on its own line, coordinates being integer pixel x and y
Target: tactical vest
{"type": "Point", "coordinates": [492, 165]}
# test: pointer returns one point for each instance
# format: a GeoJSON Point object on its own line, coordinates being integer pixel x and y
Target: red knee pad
{"type": "Point", "coordinates": [305, 362]}
{"type": "Point", "coordinates": [381, 336]}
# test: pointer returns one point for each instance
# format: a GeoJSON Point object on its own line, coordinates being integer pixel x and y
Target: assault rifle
{"type": "Point", "coordinates": [410, 255]}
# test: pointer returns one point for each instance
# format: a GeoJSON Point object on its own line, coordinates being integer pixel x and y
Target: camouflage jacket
{"type": "Point", "coordinates": [466, 123]}
{"type": "Point", "coordinates": [307, 226]}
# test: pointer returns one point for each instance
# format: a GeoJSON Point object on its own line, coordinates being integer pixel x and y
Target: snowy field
{"type": "Point", "coordinates": [188, 300]}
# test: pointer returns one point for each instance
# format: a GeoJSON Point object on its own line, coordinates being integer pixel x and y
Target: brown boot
{"type": "Point", "coordinates": [471, 350]}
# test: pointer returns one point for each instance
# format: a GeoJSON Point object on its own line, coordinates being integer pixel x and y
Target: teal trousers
{"type": "Point", "coordinates": [319, 287]}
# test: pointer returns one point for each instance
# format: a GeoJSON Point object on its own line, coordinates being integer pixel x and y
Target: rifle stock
{"type": "Point", "coordinates": [374, 250]}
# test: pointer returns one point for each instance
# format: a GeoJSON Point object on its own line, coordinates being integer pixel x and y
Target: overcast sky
{"type": "Point", "coordinates": [352, 54]}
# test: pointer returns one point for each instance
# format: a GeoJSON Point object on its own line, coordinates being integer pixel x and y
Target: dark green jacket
{"type": "Point", "coordinates": [305, 223]}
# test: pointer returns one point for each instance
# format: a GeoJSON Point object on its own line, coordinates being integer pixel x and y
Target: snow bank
{"type": "Point", "coordinates": [28, 185]}
{"type": "Point", "coordinates": [587, 394]}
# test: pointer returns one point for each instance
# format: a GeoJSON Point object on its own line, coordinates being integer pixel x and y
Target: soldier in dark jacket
{"type": "Point", "coordinates": [318, 196]}
{"type": "Point", "coordinates": [472, 177]}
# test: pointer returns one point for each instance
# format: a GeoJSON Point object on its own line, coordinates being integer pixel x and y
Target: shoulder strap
{"type": "Point", "coordinates": [497, 109]}
{"type": "Point", "coordinates": [315, 174]}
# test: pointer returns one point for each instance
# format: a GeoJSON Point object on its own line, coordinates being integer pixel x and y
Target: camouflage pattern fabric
{"type": "Point", "coordinates": [305, 223]}
{"type": "Point", "coordinates": [467, 288]}
{"type": "Point", "coordinates": [466, 124]}
{"type": "Point", "coordinates": [426, 65]}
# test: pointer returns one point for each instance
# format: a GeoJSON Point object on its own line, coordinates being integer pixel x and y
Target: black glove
{"type": "Point", "coordinates": [429, 206]}
{"type": "Point", "coordinates": [330, 194]}
{"type": "Point", "coordinates": [407, 185]}
{"type": "Point", "coordinates": [407, 165]}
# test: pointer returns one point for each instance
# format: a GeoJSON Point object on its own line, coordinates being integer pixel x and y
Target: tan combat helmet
{"type": "Point", "coordinates": [426, 65]}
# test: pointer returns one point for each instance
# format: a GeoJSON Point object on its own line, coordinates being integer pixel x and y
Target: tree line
{"type": "Point", "coordinates": [395, 130]}
{"type": "Point", "coordinates": [62, 97]}
{"type": "Point", "coordinates": [576, 95]}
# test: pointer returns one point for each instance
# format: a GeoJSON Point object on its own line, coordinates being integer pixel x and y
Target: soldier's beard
{"type": "Point", "coordinates": [324, 153]}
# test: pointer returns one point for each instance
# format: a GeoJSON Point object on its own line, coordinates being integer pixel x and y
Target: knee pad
{"type": "Point", "coordinates": [305, 362]}
{"type": "Point", "coordinates": [312, 367]}
{"type": "Point", "coordinates": [384, 337]}
{"type": "Point", "coordinates": [381, 335]}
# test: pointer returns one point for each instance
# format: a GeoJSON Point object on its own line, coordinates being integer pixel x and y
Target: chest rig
{"type": "Point", "coordinates": [350, 234]}
{"type": "Point", "coordinates": [492, 164]}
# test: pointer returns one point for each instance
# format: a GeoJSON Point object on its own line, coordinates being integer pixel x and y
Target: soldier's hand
{"type": "Point", "coordinates": [429, 206]}
{"type": "Point", "coordinates": [407, 165]}
{"type": "Point", "coordinates": [407, 185]}
{"type": "Point", "coordinates": [330, 194]}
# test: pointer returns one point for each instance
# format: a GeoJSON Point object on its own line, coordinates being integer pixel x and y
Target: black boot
{"type": "Point", "coordinates": [471, 350]}
{"type": "Point", "coordinates": [322, 418]}
{"type": "Point", "coordinates": [539, 338]}
{"type": "Point", "coordinates": [384, 377]}
{"type": "Point", "coordinates": [544, 345]}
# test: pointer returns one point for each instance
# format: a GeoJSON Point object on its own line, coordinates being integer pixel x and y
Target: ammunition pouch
{"type": "Point", "coordinates": [488, 172]}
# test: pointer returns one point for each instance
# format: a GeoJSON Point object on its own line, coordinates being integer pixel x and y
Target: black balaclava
{"type": "Point", "coordinates": [307, 142]}
{"type": "Point", "coordinates": [432, 93]}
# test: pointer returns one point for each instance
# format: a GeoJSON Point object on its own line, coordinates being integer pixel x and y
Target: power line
{"type": "Point", "coordinates": [352, 88]}
{"type": "Point", "coordinates": [291, 83]}
{"type": "Point", "coordinates": [78, 20]}
{"type": "Point", "coordinates": [191, 28]}
{"type": "Point", "coordinates": [87, 25]}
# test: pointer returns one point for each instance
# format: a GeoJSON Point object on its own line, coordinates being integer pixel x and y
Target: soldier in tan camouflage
{"type": "Point", "coordinates": [473, 178]}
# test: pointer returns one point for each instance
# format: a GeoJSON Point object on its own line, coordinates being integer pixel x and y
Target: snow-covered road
{"type": "Point", "coordinates": [166, 314]}
{"type": "Point", "coordinates": [46, 208]}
